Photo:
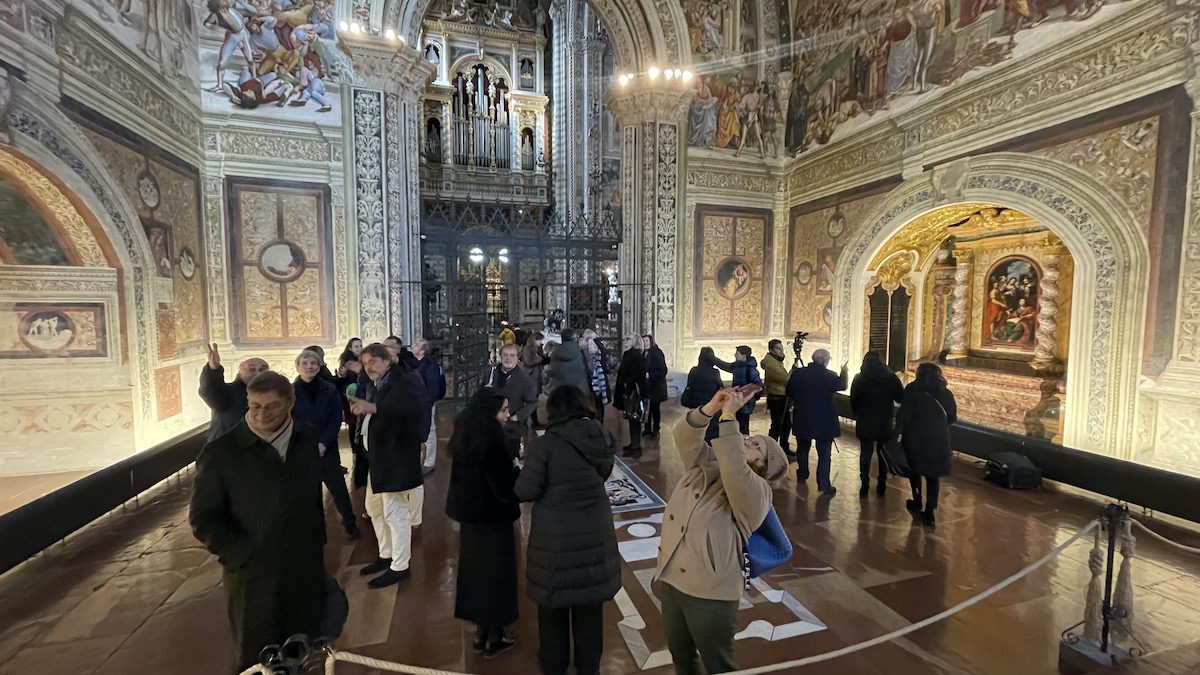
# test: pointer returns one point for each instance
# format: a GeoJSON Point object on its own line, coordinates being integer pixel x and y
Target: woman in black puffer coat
{"type": "Point", "coordinates": [926, 413]}
{"type": "Point", "coordinates": [873, 396]}
{"type": "Point", "coordinates": [631, 391]}
{"type": "Point", "coordinates": [656, 384]}
{"type": "Point", "coordinates": [703, 383]}
{"type": "Point", "coordinates": [572, 564]}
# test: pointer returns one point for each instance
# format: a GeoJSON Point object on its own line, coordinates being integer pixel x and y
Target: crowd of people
{"type": "Point", "coordinates": [533, 433]}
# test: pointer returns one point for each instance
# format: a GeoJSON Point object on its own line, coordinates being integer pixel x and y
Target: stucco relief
{"type": "Point", "coordinates": [732, 181]}
{"type": "Point", "coordinates": [823, 170]}
{"type": "Point", "coordinates": [31, 419]}
{"type": "Point", "coordinates": [667, 223]}
{"type": "Point", "coordinates": [292, 149]}
{"type": "Point", "coordinates": [369, 204]}
{"type": "Point", "coordinates": [1188, 341]}
{"type": "Point", "coordinates": [1123, 159]}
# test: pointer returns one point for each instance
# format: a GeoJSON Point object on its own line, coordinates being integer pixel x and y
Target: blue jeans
{"type": "Point", "coordinates": [824, 459]}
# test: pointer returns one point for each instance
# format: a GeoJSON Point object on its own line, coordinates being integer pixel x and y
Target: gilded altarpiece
{"type": "Point", "coordinates": [280, 262]}
{"type": "Point", "coordinates": [732, 280]}
{"type": "Point", "coordinates": [166, 194]}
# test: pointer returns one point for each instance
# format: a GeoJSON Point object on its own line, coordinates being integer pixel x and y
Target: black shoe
{"type": "Point", "coordinates": [479, 643]}
{"type": "Point", "coordinates": [389, 578]}
{"type": "Point", "coordinates": [376, 567]}
{"type": "Point", "coordinates": [829, 492]}
{"type": "Point", "coordinates": [352, 532]}
{"type": "Point", "coordinates": [631, 452]}
{"type": "Point", "coordinates": [927, 516]}
{"type": "Point", "coordinates": [498, 645]}
{"type": "Point", "coordinates": [801, 475]}
{"type": "Point", "coordinates": [881, 487]}
{"type": "Point", "coordinates": [913, 505]}
{"type": "Point", "coordinates": [647, 432]}
{"type": "Point", "coordinates": [864, 490]}
{"type": "Point", "coordinates": [791, 456]}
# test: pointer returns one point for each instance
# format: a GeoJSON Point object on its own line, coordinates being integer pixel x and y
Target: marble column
{"type": "Point", "coordinates": [652, 118]}
{"type": "Point", "coordinates": [962, 304]}
{"type": "Point", "coordinates": [381, 115]}
{"type": "Point", "coordinates": [1046, 342]}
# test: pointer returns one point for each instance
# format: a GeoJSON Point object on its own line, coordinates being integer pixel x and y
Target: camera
{"type": "Point", "coordinates": [798, 345]}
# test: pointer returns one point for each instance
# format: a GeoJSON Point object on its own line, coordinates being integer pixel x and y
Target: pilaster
{"type": "Point", "coordinates": [383, 181]}
{"type": "Point", "coordinates": [652, 116]}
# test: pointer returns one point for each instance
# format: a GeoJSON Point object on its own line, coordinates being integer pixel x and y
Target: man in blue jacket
{"type": "Point", "coordinates": [814, 419]}
{"type": "Point", "coordinates": [435, 385]}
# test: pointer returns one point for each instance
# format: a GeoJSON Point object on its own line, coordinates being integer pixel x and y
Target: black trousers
{"type": "Point", "coordinates": [868, 449]}
{"type": "Point", "coordinates": [334, 478]}
{"type": "Point", "coordinates": [780, 408]}
{"type": "Point", "coordinates": [743, 420]}
{"type": "Point", "coordinates": [635, 433]}
{"type": "Point", "coordinates": [932, 484]}
{"type": "Point", "coordinates": [557, 627]}
{"type": "Point", "coordinates": [698, 625]}
{"type": "Point", "coordinates": [654, 417]}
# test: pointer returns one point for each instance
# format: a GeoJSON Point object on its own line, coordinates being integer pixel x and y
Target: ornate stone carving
{"type": "Point", "coordinates": [712, 181]}
{"type": "Point", "coordinates": [382, 64]}
{"type": "Point", "coordinates": [214, 235]}
{"type": "Point", "coordinates": [667, 222]}
{"type": "Point", "coordinates": [1046, 337]}
{"type": "Point", "coordinates": [293, 149]}
{"type": "Point", "coordinates": [826, 169]}
{"type": "Point", "coordinates": [1187, 347]}
{"type": "Point", "coordinates": [949, 179]}
{"type": "Point", "coordinates": [396, 218]}
{"type": "Point", "coordinates": [1094, 69]}
{"type": "Point", "coordinates": [369, 205]}
{"type": "Point", "coordinates": [1122, 158]}
{"type": "Point", "coordinates": [648, 271]}
{"type": "Point", "coordinates": [642, 101]}
{"type": "Point", "coordinates": [83, 240]}
{"type": "Point", "coordinates": [962, 296]}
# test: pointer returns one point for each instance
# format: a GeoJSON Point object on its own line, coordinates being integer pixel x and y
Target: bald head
{"type": "Point", "coordinates": [821, 357]}
{"type": "Point", "coordinates": [250, 368]}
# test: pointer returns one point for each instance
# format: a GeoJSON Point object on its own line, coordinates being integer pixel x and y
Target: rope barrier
{"type": "Point", "coordinates": [1164, 540]}
{"type": "Point", "coordinates": [347, 657]}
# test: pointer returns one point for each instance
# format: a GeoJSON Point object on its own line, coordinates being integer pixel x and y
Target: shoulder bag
{"type": "Point", "coordinates": [767, 548]}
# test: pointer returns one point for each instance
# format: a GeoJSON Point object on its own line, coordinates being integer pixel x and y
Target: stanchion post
{"type": "Point", "coordinates": [1114, 515]}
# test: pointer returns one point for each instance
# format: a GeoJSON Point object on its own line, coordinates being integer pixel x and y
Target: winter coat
{"type": "Point", "coordinates": [482, 479]}
{"type": "Point", "coordinates": [434, 378]}
{"type": "Point", "coordinates": [572, 557]}
{"type": "Point", "coordinates": [631, 378]}
{"type": "Point", "coordinates": [518, 389]}
{"type": "Point", "coordinates": [812, 389]}
{"type": "Point", "coordinates": [717, 503]}
{"type": "Point", "coordinates": [656, 374]}
{"type": "Point", "coordinates": [568, 366]}
{"type": "Point", "coordinates": [323, 412]}
{"type": "Point", "coordinates": [703, 383]}
{"type": "Point", "coordinates": [924, 419]}
{"type": "Point", "coordinates": [533, 360]}
{"type": "Point", "coordinates": [776, 376]}
{"type": "Point", "coordinates": [746, 372]}
{"type": "Point", "coordinates": [599, 375]}
{"type": "Point", "coordinates": [226, 400]}
{"type": "Point", "coordinates": [872, 395]}
{"type": "Point", "coordinates": [395, 432]}
{"type": "Point", "coordinates": [264, 519]}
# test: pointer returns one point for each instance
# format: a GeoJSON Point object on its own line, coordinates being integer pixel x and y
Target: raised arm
{"type": "Point", "coordinates": [213, 390]}
{"type": "Point", "coordinates": [689, 431]}
{"type": "Point", "coordinates": [748, 493]}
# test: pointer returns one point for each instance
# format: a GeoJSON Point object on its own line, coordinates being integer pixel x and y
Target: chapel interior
{"type": "Point", "coordinates": [1009, 189]}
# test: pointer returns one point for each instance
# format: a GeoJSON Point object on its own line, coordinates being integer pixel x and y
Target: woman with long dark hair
{"type": "Point", "coordinates": [481, 499]}
{"type": "Point", "coordinates": [354, 347]}
{"type": "Point", "coordinates": [573, 566]}
{"type": "Point", "coordinates": [873, 394]}
{"type": "Point", "coordinates": [656, 384]}
{"type": "Point", "coordinates": [631, 391]}
{"type": "Point", "coordinates": [926, 413]}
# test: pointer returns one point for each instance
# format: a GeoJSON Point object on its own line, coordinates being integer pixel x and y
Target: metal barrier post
{"type": "Point", "coordinates": [1114, 516]}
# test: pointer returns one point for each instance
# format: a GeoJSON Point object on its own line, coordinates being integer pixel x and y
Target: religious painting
{"type": "Point", "coordinates": [26, 237]}
{"type": "Point", "coordinates": [1010, 305]}
{"type": "Point", "coordinates": [159, 237]}
{"type": "Point", "coordinates": [735, 111]}
{"type": "Point", "coordinates": [158, 33]}
{"type": "Point", "coordinates": [280, 259]}
{"type": "Point", "coordinates": [851, 58]}
{"type": "Point", "coordinates": [827, 269]}
{"type": "Point", "coordinates": [52, 330]}
{"type": "Point", "coordinates": [732, 286]}
{"type": "Point", "coordinates": [708, 25]}
{"type": "Point", "coordinates": [804, 273]}
{"type": "Point", "coordinates": [270, 55]}
{"type": "Point", "coordinates": [187, 263]}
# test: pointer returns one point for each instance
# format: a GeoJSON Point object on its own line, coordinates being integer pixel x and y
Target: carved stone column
{"type": "Point", "coordinates": [962, 303]}
{"type": "Point", "coordinates": [381, 114]}
{"type": "Point", "coordinates": [1044, 358]}
{"type": "Point", "coordinates": [652, 117]}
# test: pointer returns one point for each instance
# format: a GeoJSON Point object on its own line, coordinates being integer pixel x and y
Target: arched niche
{"type": "Point", "coordinates": [1111, 259]}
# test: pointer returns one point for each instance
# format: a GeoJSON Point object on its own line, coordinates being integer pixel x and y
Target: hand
{"type": "Point", "coordinates": [321, 448]}
{"type": "Point", "coordinates": [361, 407]}
{"type": "Point", "coordinates": [513, 418]}
{"type": "Point", "coordinates": [714, 406]}
{"type": "Point", "coordinates": [734, 403]}
{"type": "Point", "coordinates": [214, 356]}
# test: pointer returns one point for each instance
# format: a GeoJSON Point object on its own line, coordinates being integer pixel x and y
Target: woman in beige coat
{"type": "Point", "coordinates": [723, 496]}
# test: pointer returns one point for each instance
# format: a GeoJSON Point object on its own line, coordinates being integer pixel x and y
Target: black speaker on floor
{"type": "Point", "coordinates": [1013, 471]}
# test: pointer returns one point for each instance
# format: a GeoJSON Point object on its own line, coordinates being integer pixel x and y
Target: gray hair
{"type": "Point", "coordinates": [821, 357]}
{"type": "Point", "coordinates": [308, 354]}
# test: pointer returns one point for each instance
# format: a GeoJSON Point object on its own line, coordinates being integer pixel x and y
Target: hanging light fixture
{"type": "Point", "coordinates": [476, 255]}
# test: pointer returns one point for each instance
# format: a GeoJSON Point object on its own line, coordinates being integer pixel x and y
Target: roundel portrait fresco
{"type": "Point", "coordinates": [281, 261]}
{"type": "Point", "coordinates": [733, 278]}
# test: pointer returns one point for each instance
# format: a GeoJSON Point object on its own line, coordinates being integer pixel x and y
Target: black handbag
{"type": "Point", "coordinates": [894, 458]}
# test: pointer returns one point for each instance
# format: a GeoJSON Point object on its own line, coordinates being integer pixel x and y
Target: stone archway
{"type": "Point", "coordinates": [1111, 277]}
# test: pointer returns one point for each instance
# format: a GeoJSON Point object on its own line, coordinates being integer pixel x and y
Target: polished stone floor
{"type": "Point", "coordinates": [134, 593]}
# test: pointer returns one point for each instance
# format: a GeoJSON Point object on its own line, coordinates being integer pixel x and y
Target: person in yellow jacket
{"type": "Point", "coordinates": [775, 377]}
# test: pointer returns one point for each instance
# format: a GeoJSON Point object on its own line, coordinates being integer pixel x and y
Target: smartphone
{"type": "Point", "coordinates": [749, 389]}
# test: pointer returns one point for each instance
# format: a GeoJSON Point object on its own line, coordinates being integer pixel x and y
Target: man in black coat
{"type": "Point", "coordinates": [395, 423]}
{"type": "Point", "coordinates": [257, 505]}
{"type": "Point", "coordinates": [510, 378]}
{"type": "Point", "coordinates": [227, 401]}
{"type": "Point", "coordinates": [814, 418]}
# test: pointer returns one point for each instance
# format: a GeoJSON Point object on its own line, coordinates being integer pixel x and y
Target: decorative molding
{"type": "Point", "coordinates": [214, 237]}
{"type": "Point", "coordinates": [369, 206]}
{"type": "Point", "coordinates": [397, 218]}
{"type": "Point", "coordinates": [1187, 345]}
{"type": "Point", "coordinates": [853, 160]}
{"type": "Point", "coordinates": [644, 101]}
{"type": "Point", "coordinates": [666, 225]}
{"type": "Point", "coordinates": [291, 148]}
{"type": "Point", "coordinates": [715, 181]}
{"type": "Point", "coordinates": [382, 64]}
{"type": "Point", "coordinates": [1047, 317]}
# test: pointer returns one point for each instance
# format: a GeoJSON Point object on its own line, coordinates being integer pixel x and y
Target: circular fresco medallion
{"type": "Point", "coordinates": [804, 273]}
{"type": "Point", "coordinates": [837, 224]}
{"type": "Point", "coordinates": [281, 261]}
{"type": "Point", "coordinates": [147, 188]}
{"type": "Point", "coordinates": [187, 263]}
{"type": "Point", "coordinates": [733, 278]}
{"type": "Point", "coordinates": [827, 314]}
{"type": "Point", "coordinates": [46, 330]}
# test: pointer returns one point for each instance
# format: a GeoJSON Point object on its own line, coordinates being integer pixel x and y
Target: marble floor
{"type": "Point", "coordinates": [134, 592]}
